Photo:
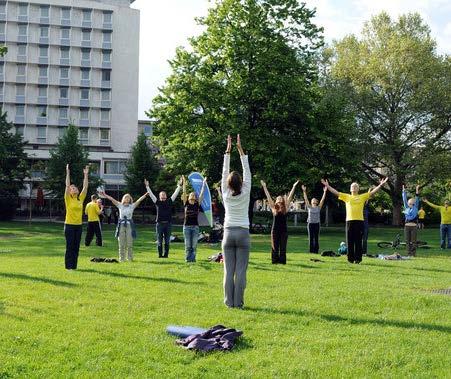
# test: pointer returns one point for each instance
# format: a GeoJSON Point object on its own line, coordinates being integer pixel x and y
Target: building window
{"type": "Point", "coordinates": [104, 136]}
{"type": "Point", "coordinates": [86, 15]}
{"type": "Point", "coordinates": [21, 50]}
{"type": "Point", "coordinates": [65, 53]}
{"type": "Point", "coordinates": [114, 167]}
{"type": "Point", "coordinates": [105, 115]}
{"type": "Point", "coordinates": [20, 90]}
{"type": "Point", "coordinates": [42, 133]}
{"type": "Point", "coordinates": [84, 114]}
{"type": "Point", "coordinates": [107, 17]}
{"type": "Point", "coordinates": [20, 110]}
{"type": "Point", "coordinates": [23, 9]}
{"type": "Point", "coordinates": [64, 73]}
{"type": "Point", "coordinates": [63, 113]}
{"type": "Point", "coordinates": [65, 14]}
{"type": "Point", "coordinates": [64, 93]}
{"type": "Point", "coordinates": [20, 130]}
{"type": "Point", "coordinates": [42, 91]}
{"type": "Point", "coordinates": [44, 30]}
{"type": "Point", "coordinates": [86, 35]}
{"type": "Point", "coordinates": [106, 95]}
{"type": "Point", "coordinates": [21, 70]}
{"type": "Point", "coordinates": [2, 68]}
{"type": "Point", "coordinates": [83, 135]}
{"type": "Point", "coordinates": [2, 7]}
{"type": "Point", "coordinates": [44, 11]}
{"type": "Point", "coordinates": [106, 75]}
{"type": "Point", "coordinates": [107, 57]}
{"type": "Point", "coordinates": [147, 130]}
{"type": "Point", "coordinates": [85, 54]}
{"type": "Point", "coordinates": [62, 132]}
{"type": "Point", "coordinates": [43, 51]}
{"type": "Point", "coordinates": [107, 37]}
{"type": "Point", "coordinates": [23, 29]}
{"type": "Point", "coordinates": [65, 33]}
{"type": "Point", "coordinates": [43, 71]}
{"type": "Point", "coordinates": [85, 74]}
{"type": "Point", "coordinates": [42, 111]}
{"type": "Point", "coordinates": [84, 94]}
{"type": "Point", "coordinates": [2, 27]}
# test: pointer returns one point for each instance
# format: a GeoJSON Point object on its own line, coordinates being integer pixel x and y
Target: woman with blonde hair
{"type": "Point", "coordinates": [125, 229]}
{"type": "Point", "coordinates": [279, 231]}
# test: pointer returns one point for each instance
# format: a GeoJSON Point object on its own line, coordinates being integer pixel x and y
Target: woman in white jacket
{"type": "Point", "coordinates": [235, 191]}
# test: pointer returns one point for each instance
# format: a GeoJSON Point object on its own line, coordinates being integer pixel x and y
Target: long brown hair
{"type": "Point", "coordinates": [282, 208]}
{"type": "Point", "coordinates": [235, 183]}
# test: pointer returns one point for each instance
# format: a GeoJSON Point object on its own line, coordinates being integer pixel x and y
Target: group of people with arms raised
{"type": "Point", "coordinates": [235, 194]}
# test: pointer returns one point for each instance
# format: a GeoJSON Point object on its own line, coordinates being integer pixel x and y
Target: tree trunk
{"type": "Point", "coordinates": [397, 201]}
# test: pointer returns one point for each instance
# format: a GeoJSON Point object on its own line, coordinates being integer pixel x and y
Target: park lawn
{"type": "Point", "coordinates": [306, 319]}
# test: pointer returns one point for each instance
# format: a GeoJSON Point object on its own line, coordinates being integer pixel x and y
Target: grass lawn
{"type": "Point", "coordinates": [327, 319]}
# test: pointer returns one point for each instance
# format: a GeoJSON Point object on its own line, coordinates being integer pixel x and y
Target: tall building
{"type": "Point", "coordinates": [72, 61]}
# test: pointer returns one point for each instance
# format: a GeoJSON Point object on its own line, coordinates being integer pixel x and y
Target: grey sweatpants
{"type": "Point", "coordinates": [125, 240]}
{"type": "Point", "coordinates": [235, 247]}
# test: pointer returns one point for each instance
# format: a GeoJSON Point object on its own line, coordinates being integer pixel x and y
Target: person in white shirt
{"type": "Point", "coordinates": [235, 192]}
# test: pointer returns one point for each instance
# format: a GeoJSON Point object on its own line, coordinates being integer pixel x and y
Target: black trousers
{"type": "Point", "coordinates": [73, 238]}
{"type": "Point", "coordinates": [163, 234]}
{"type": "Point", "coordinates": [279, 239]}
{"type": "Point", "coordinates": [94, 228]}
{"type": "Point", "coordinates": [313, 237]}
{"type": "Point", "coordinates": [354, 235]}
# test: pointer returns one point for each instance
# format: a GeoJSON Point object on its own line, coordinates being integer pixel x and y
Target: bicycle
{"type": "Point", "coordinates": [397, 243]}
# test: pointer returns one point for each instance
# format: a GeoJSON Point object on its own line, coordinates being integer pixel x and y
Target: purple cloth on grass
{"type": "Point", "coordinates": [217, 337]}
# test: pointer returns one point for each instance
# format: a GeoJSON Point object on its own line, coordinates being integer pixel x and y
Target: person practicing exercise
{"type": "Point", "coordinates": [411, 220]}
{"type": "Point", "coordinates": [164, 217]}
{"type": "Point", "coordinates": [314, 219]}
{"type": "Point", "coordinates": [235, 193]}
{"type": "Point", "coordinates": [354, 216]}
{"type": "Point", "coordinates": [73, 200]}
{"type": "Point", "coordinates": [279, 230]}
{"type": "Point", "coordinates": [125, 229]}
{"type": "Point", "coordinates": [421, 217]}
{"type": "Point", "coordinates": [191, 224]}
{"type": "Point", "coordinates": [445, 222]}
{"type": "Point", "coordinates": [93, 210]}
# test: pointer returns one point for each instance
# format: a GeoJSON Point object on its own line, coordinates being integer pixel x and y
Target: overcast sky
{"type": "Point", "coordinates": [166, 24]}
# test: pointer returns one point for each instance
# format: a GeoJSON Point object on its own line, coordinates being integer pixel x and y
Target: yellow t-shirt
{"type": "Point", "coordinates": [445, 213]}
{"type": "Point", "coordinates": [74, 208]}
{"type": "Point", "coordinates": [92, 210]}
{"type": "Point", "coordinates": [421, 214]}
{"type": "Point", "coordinates": [354, 205]}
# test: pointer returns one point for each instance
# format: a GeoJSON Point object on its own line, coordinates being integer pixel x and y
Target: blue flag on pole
{"type": "Point", "coordinates": [206, 216]}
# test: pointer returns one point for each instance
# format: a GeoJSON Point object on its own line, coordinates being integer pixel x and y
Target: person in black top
{"type": "Point", "coordinates": [164, 217]}
{"type": "Point", "coordinates": [191, 223]}
{"type": "Point", "coordinates": [279, 231]}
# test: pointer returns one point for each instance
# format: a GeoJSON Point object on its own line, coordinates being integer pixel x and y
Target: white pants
{"type": "Point", "coordinates": [125, 240]}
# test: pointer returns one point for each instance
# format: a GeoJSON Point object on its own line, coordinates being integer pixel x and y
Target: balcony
{"type": "Point", "coordinates": [44, 40]}
{"type": "Point", "coordinates": [21, 79]}
{"type": "Point", "coordinates": [22, 38]}
{"type": "Point", "coordinates": [1, 97]}
{"type": "Point", "coordinates": [65, 22]}
{"type": "Point", "coordinates": [19, 119]}
{"type": "Point", "coordinates": [43, 60]}
{"type": "Point", "coordinates": [41, 120]}
{"type": "Point", "coordinates": [107, 45]}
{"type": "Point", "coordinates": [86, 63]}
{"type": "Point", "coordinates": [65, 41]}
{"type": "Point", "coordinates": [86, 43]}
{"type": "Point", "coordinates": [42, 100]}
{"type": "Point", "coordinates": [107, 26]}
{"type": "Point", "coordinates": [64, 101]}
{"type": "Point", "coordinates": [106, 84]}
{"type": "Point", "coordinates": [65, 61]}
{"type": "Point", "coordinates": [84, 123]}
{"type": "Point", "coordinates": [64, 82]}
{"type": "Point", "coordinates": [44, 20]}
{"type": "Point", "coordinates": [21, 58]}
{"type": "Point", "coordinates": [43, 80]}
{"type": "Point", "coordinates": [2, 37]}
{"type": "Point", "coordinates": [63, 121]}
{"type": "Point", "coordinates": [104, 142]}
{"type": "Point", "coordinates": [105, 104]}
{"type": "Point", "coordinates": [22, 18]}
{"type": "Point", "coordinates": [20, 99]}
{"type": "Point", "coordinates": [2, 17]}
{"type": "Point", "coordinates": [86, 24]}
{"type": "Point", "coordinates": [85, 83]}
{"type": "Point", "coordinates": [106, 65]}
{"type": "Point", "coordinates": [84, 103]}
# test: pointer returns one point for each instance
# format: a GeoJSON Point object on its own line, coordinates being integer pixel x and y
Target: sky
{"type": "Point", "coordinates": [167, 24]}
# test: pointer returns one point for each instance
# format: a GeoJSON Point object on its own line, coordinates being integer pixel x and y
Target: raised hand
{"type": "Point", "coordinates": [403, 187]}
{"type": "Point", "coordinates": [86, 170]}
{"type": "Point", "coordinates": [383, 181]}
{"type": "Point", "coordinates": [238, 145]}
{"type": "Point", "coordinates": [67, 168]}
{"type": "Point", "coordinates": [297, 182]}
{"type": "Point", "coordinates": [325, 182]}
{"type": "Point", "coordinates": [180, 182]}
{"type": "Point", "coordinates": [325, 189]}
{"type": "Point", "coordinates": [417, 188]}
{"type": "Point", "coordinates": [262, 183]}
{"type": "Point", "coordinates": [146, 182]}
{"type": "Point", "coordinates": [304, 188]}
{"type": "Point", "coordinates": [229, 144]}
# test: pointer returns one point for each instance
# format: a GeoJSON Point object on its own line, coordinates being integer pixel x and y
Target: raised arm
{"type": "Point", "coordinates": [329, 187]}
{"type": "Point", "coordinates": [137, 202]}
{"type": "Point", "coordinates": [114, 201]}
{"type": "Point", "coordinates": [375, 189]}
{"type": "Point", "coordinates": [268, 196]}
{"type": "Point", "coordinates": [85, 180]}
{"type": "Point", "coordinates": [177, 190]}
{"type": "Point", "coordinates": [67, 193]}
{"type": "Point", "coordinates": [226, 165]}
{"type": "Point", "coordinates": [430, 204]}
{"type": "Point", "coordinates": [404, 196]}
{"type": "Point", "coordinates": [247, 176]}
{"type": "Point", "coordinates": [321, 202]}
{"type": "Point", "coordinates": [417, 196]}
{"type": "Point", "coordinates": [149, 191]}
{"type": "Point", "coordinates": [202, 191]}
{"type": "Point", "coordinates": [184, 194]}
{"type": "Point", "coordinates": [291, 194]}
{"type": "Point", "coordinates": [304, 192]}
{"type": "Point", "coordinates": [99, 212]}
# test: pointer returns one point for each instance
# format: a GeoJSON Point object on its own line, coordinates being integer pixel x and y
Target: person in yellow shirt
{"type": "Point", "coordinates": [421, 217]}
{"type": "Point", "coordinates": [93, 210]}
{"type": "Point", "coordinates": [445, 222]}
{"type": "Point", "coordinates": [73, 200]}
{"type": "Point", "coordinates": [355, 203]}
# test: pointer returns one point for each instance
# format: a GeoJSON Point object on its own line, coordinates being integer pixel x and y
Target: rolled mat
{"type": "Point", "coordinates": [184, 331]}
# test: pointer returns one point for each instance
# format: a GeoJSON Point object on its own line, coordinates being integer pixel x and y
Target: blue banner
{"type": "Point", "coordinates": [206, 216]}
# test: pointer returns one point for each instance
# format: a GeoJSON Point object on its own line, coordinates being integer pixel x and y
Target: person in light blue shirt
{"type": "Point", "coordinates": [410, 211]}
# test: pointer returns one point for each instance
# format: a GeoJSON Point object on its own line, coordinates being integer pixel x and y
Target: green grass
{"type": "Point", "coordinates": [305, 319]}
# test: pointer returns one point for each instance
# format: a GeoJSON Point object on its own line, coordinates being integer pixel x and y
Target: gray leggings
{"type": "Point", "coordinates": [235, 246]}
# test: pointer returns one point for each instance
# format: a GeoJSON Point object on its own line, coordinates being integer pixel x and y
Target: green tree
{"type": "Point", "coordinates": [398, 87]}
{"type": "Point", "coordinates": [68, 151]}
{"type": "Point", "coordinates": [13, 167]}
{"type": "Point", "coordinates": [141, 165]}
{"type": "Point", "coordinates": [254, 72]}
